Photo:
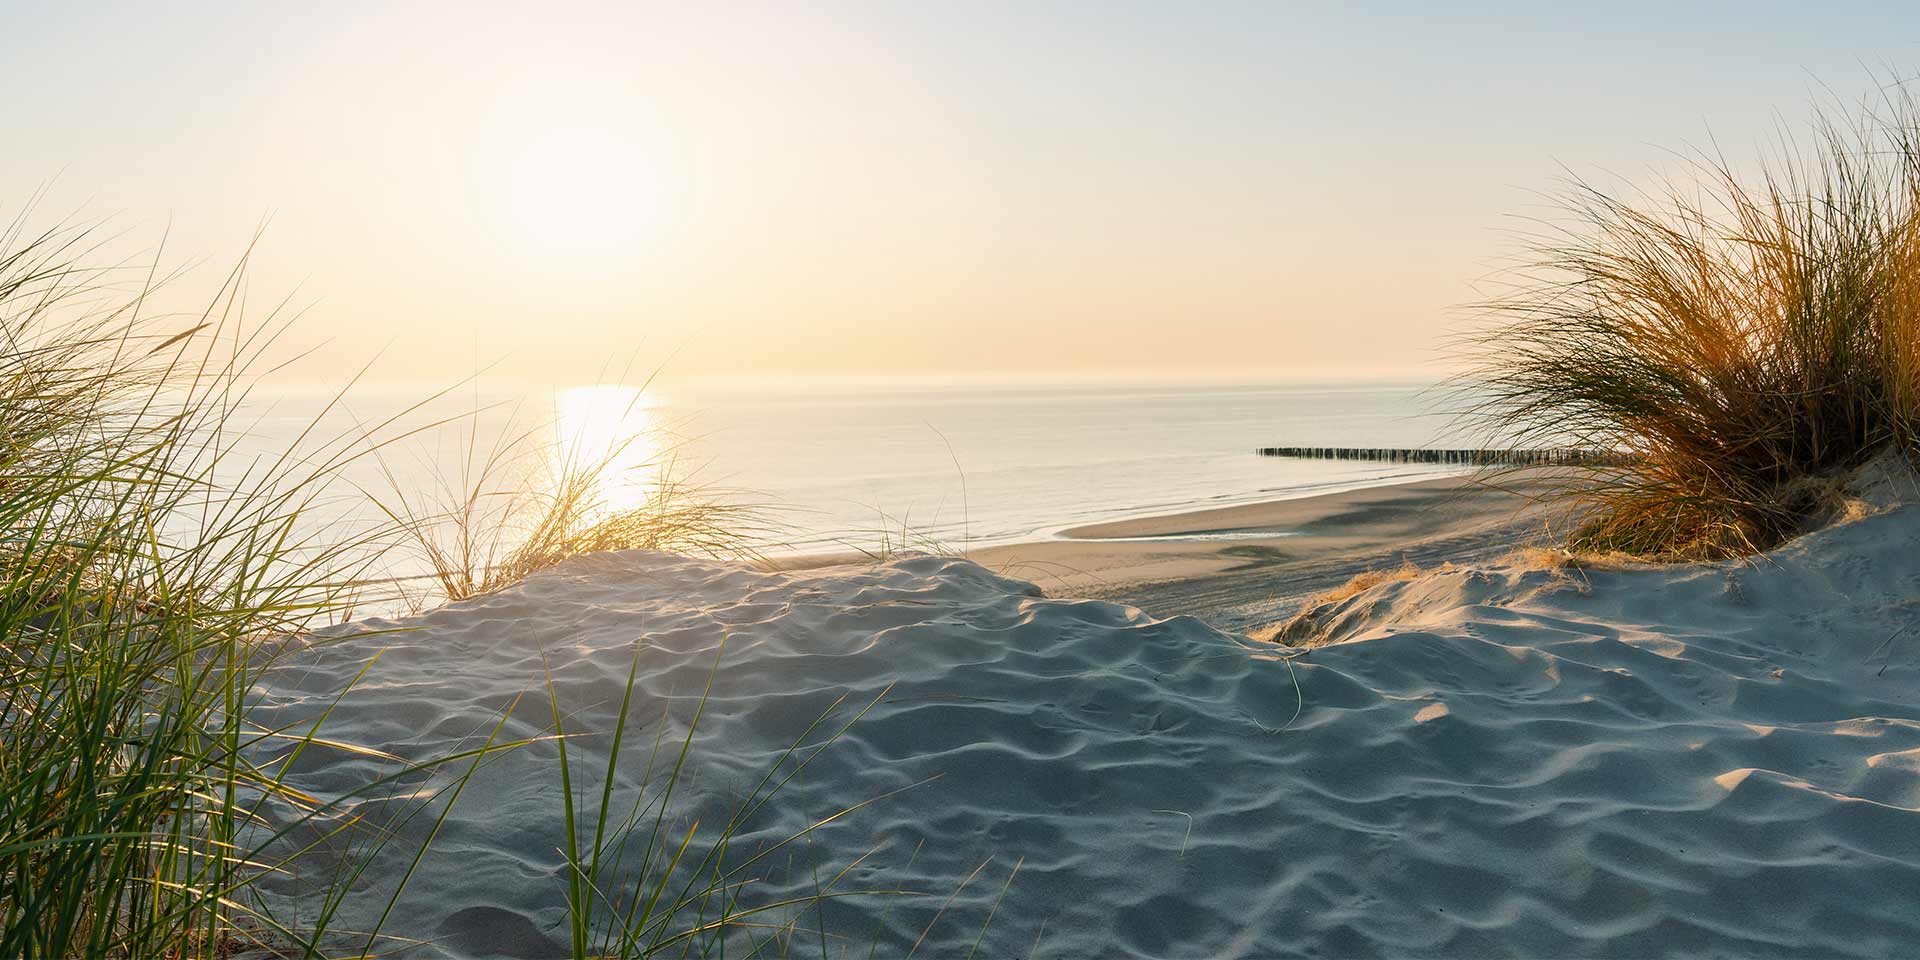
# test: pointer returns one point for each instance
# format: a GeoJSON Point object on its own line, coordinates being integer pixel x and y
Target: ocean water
{"type": "Point", "coordinates": [841, 467]}
{"type": "Point", "coordinates": [981, 465]}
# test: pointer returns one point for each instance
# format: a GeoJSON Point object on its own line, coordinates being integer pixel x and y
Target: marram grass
{"type": "Point", "coordinates": [127, 646]}
{"type": "Point", "coordinates": [150, 578]}
{"type": "Point", "coordinates": [1742, 340]}
{"type": "Point", "coordinates": [486, 526]}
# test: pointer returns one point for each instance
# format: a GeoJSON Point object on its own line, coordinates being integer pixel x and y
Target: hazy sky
{"type": "Point", "coordinates": [893, 189]}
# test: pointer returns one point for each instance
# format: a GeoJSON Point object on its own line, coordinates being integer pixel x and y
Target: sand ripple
{"type": "Point", "coordinates": [1692, 761]}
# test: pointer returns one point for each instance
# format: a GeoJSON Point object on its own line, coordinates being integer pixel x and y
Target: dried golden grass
{"type": "Point", "coordinates": [489, 527]}
{"type": "Point", "coordinates": [1407, 570]}
{"type": "Point", "coordinates": [1310, 622]}
{"type": "Point", "coordinates": [1740, 340]}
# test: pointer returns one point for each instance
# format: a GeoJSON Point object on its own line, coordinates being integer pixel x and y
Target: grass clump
{"type": "Point", "coordinates": [155, 572]}
{"type": "Point", "coordinates": [531, 498]}
{"type": "Point", "coordinates": [1739, 339]}
{"type": "Point", "coordinates": [144, 575]}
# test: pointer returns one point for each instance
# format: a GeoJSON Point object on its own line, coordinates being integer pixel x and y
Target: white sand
{"type": "Point", "coordinates": [1686, 761]}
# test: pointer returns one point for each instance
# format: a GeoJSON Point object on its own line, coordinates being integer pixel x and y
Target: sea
{"type": "Point", "coordinates": [837, 466]}
{"type": "Point", "coordinates": [984, 465]}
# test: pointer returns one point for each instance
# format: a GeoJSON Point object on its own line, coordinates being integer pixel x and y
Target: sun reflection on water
{"type": "Point", "coordinates": [614, 431]}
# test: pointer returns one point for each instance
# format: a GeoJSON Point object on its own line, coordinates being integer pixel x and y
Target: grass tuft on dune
{"type": "Point", "coordinates": [488, 526]}
{"type": "Point", "coordinates": [129, 644]}
{"type": "Point", "coordinates": [1743, 339]}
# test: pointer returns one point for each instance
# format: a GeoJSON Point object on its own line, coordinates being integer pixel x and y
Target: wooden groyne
{"type": "Point", "coordinates": [1550, 456]}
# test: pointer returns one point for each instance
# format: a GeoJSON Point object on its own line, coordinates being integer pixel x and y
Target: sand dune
{"type": "Point", "coordinates": [1702, 760]}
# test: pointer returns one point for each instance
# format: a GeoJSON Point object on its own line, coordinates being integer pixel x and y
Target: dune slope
{"type": "Point", "coordinates": [1680, 761]}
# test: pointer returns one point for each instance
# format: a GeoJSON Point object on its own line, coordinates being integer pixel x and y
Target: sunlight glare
{"type": "Point", "coordinates": [614, 424]}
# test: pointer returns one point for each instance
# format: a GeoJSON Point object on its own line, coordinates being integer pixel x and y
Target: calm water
{"type": "Point", "coordinates": [964, 465]}
{"type": "Point", "coordinates": [990, 465]}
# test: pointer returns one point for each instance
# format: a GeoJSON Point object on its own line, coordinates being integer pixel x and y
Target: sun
{"type": "Point", "coordinates": [587, 190]}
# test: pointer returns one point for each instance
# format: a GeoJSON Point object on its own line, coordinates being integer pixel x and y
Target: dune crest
{"type": "Point", "coordinates": [1685, 760]}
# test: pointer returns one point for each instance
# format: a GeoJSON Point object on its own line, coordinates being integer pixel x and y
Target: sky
{"type": "Point", "coordinates": [552, 191]}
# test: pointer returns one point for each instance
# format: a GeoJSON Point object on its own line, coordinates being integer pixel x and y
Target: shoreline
{"type": "Point", "coordinates": [822, 549]}
{"type": "Point", "coordinates": [1241, 568]}
{"type": "Point", "coordinates": [1244, 566]}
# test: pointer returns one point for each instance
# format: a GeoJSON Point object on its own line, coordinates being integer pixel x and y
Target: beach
{"type": "Point", "coordinates": [1498, 756]}
{"type": "Point", "coordinates": [921, 481]}
{"type": "Point", "coordinates": [1243, 566]}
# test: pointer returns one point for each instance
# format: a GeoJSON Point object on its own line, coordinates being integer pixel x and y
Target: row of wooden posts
{"type": "Point", "coordinates": [1551, 456]}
